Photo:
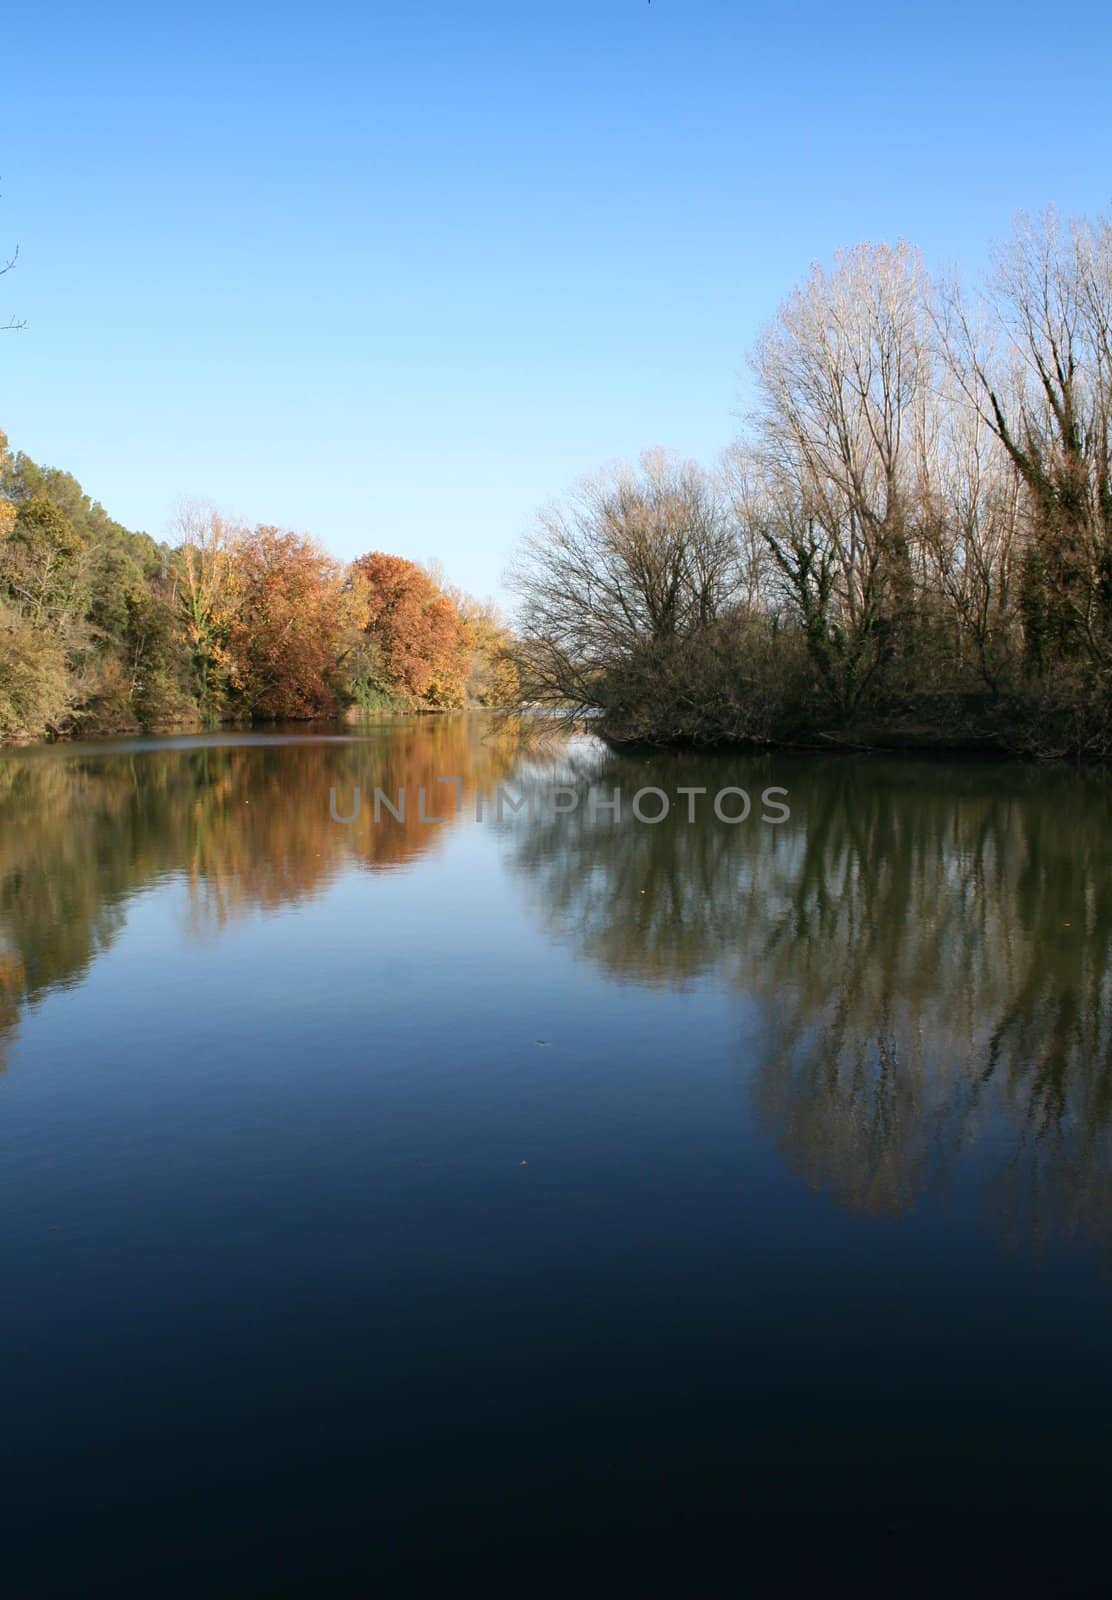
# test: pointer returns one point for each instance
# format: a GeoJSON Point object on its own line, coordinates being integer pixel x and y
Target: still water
{"type": "Point", "coordinates": [553, 1198]}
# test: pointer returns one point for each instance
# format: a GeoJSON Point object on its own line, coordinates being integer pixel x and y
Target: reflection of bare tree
{"type": "Point", "coordinates": [656, 902]}
{"type": "Point", "coordinates": [929, 948]}
{"type": "Point", "coordinates": [851, 1115]}
{"type": "Point", "coordinates": [246, 825]}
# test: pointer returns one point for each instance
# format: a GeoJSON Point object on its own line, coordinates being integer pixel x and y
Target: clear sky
{"type": "Point", "coordinates": [396, 273]}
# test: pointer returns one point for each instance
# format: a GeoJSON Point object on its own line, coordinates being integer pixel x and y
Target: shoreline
{"type": "Point", "coordinates": [913, 743]}
{"type": "Point", "coordinates": [925, 745]}
{"type": "Point", "coordinates": [168, 730]}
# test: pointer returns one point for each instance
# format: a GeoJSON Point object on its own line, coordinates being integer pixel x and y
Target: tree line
{"type": "Point", "coordinates": [912, 542]}
{"type": "Point", "coordinates": [106, 630]}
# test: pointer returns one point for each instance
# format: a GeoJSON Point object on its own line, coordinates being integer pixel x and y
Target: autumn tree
{"type": "Point", "coordinates": [415, 646]}
{"type": "Point", "coordinates": [493, 678]}
{"type": "Point", "coordinates": [282, 639]}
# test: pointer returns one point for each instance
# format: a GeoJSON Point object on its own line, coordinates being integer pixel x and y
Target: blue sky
{"type": "Point", "coordinates": [395, 274]}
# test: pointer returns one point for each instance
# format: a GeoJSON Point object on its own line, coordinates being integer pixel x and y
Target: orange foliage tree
{"type": "Point", "coordinates": [287, 624]}
{"type": "Point", "coordinates": [493, 678]}
{"type": "Point", "coordinates": [420, 645]}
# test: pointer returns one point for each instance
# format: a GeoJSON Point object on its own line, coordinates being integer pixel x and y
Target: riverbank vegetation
{"type": "Point", "coordinates": [912, 544]}
{"type": "Point", "coordinates": [104, 630]}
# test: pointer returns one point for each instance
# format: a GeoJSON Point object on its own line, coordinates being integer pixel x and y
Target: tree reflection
{"type": "Point", "coordinates": [926, 950]}
{"type": "Point", "coordinates": [246, 825]}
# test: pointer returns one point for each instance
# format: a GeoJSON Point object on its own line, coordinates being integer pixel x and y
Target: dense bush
{"type": "Point", "coordinates": [34, 683]}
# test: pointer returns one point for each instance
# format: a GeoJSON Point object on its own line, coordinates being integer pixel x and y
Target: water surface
{"type": "Point", "coordinates": [397, 1203]}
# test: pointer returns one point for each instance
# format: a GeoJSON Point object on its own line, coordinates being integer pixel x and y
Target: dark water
{"type": "Point", "coordinates": [553, 1201]}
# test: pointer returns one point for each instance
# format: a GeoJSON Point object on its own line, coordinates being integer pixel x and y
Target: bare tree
{"type": "Point", "coordinates": [1044, 387]}
{"type": "Point", "coordinates": [969, 516]}
{"type": "Point", "coordinates": [846, 376]}
{"type": "Point", "coordinates": [8, 266]}
{"type": "Point", "coordinates": [746, 483]}
{"type": "Point", "coordinates": [636, 559]}
{"type": "Point", "coordinates": [922, 512]}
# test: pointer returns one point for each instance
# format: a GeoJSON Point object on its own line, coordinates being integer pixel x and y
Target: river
{"type": "Point", "coordinates": [510, 1181]}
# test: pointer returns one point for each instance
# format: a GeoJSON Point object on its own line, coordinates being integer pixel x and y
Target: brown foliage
{"type": "Point", "coordinates": [283, 639]}
{"type": "Point", "coordinates": [423, 646]}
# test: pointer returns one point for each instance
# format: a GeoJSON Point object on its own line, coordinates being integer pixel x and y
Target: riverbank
{"type": "Point", "coordinates": [1051, 725]}
{"type": "Point", "coordinates": [77, 732]}
{"type": "Point", "coordinates": [1010, 740]}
